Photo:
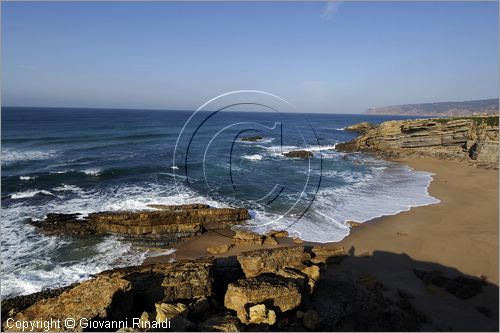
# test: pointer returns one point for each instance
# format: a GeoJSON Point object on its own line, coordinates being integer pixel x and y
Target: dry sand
{"type": "Point", "coordinates": [461, 231]}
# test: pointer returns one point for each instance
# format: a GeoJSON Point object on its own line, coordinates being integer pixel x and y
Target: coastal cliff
{"type": "Point", "coordinates": [473, 139]}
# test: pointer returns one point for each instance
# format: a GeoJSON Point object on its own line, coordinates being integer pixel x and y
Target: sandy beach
{"type": "Point", "coordinates": [456, 237]}
{"type": "Point", "coordinates": [460, 232]}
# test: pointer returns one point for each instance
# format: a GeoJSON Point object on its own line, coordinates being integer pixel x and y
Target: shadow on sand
{"type": "Point", "coordinates": [389, 291]}
{"type": "Point", "coordinates": [379, 292]}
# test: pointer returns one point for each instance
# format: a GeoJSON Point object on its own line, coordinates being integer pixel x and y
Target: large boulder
{"type": "Point", "coordinates": [248, 237]}
{"type": "Point", "coordinates": [117, 293]}
{"type": "Point", "coordinates": [261, 261]}
{"type": "Point", "coordinates": [260, 314]}
{"type": "Point", "coordinates": [326, 253]}
{"type": "Point", "coordinates": [175, 313]}
{"type": "Point", "coordinates": [99, 298]}
{"type": "Point", "coordinates": [188, 279]}
{"type": "Point", "coordinates": [221, 323]}
{"type": "Point", "coordinates": [277, 295]}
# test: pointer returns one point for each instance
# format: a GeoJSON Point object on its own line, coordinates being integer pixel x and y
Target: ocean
{"type": "Point", "coordinates": [89, 160]}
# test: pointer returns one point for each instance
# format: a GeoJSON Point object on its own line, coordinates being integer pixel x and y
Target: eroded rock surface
{"type": "Point", "coordinates": [326, 253]}
{"type": "Point", "coordinates": [274, 293]}
{"type": "Point", "coordinates": [262, 261]}
{"type": "Point", "coordinates": [214, 295]}
{"type": "Point", "coordinates": [249, 237]}
{"type": "Point", "coordinates": [470, 138]}
{"type": "Point", "coordinates": [102, 297]}
{"type": "Point", "coordinates": [168, 224]}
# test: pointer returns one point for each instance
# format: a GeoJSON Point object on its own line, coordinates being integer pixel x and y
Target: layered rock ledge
{"type": "Point", "coordinates": [470, 139]}
{"type": "Point", "coordinates": [166, 224]}
{"type": "Point", "coordinates": [295, 290]}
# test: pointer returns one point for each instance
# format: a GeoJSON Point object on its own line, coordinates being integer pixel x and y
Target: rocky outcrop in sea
{"type": "Point", "coordinates": [166, 224]}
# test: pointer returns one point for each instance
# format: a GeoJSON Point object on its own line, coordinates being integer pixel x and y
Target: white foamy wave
{"type": "Point", "coordinates": [262, 141]}
{"type": "Point", "coordinates": [92, 172]}
{"type": "Point", "coordinates": [109, 253]}
{"type": "Point", "coordinates": [320, 148]}
{"type": "Point", "coordinates": [158, 253]}
{"type": "Point", "coordinates": [27, 177]}
{"type": "Point", "coordinates": [255, 157]}
{"type": "Point", "coordinates": [387, 190]}
{"type": "Point", "coordinates": [278, 151]}
{"type": "Point", "coordinates": [69, 188]}
{"type": "Point", "coordinates": [59, 172]}
{"type": "Point", "coordinates": [30, 193]}
{"type": "Point", "coordinates": [174, 167]}
{"type": "Point", "coordinates": [11, 156]}
{"type": "Point", "coordinates": [29, 260]}
{"type": "Point", "coordinates": [340, 129]}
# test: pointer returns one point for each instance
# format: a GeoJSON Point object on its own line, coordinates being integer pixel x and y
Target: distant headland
{"type": "Point", "coordinates": [464, 108]}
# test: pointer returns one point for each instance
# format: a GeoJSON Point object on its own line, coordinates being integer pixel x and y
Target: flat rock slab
{"type": "Point", "coordinates": [169, 223]}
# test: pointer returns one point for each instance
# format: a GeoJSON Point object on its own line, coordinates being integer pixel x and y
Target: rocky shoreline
{"type": "Point", "coordinates": [294, 288]}
{"type": "Point", "coordinates": [469, 139]}
{"type": "Point", "coordinates": [264, 289]}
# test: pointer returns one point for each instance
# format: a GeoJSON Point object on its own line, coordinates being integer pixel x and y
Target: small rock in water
{"type": "Point", "coordinates": [299, 154]}
{"type": "Point", "coordinates": [360, 127]}
{"type": "Point", "coordinates": [353, 224]}
{"type": "Point", "coordinates": [252, 138]}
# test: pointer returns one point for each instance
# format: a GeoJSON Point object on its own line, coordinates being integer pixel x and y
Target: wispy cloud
{"type": "Point", "coordinates": [331, 7]}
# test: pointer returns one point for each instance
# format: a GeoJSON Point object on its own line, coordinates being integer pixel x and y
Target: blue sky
{"type": "Point", "coordinates": [322, 57]}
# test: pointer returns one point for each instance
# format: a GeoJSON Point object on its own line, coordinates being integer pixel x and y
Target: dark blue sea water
{"type": "Point", "coordinates": [88, 160]}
